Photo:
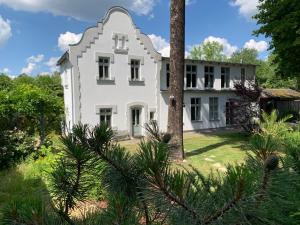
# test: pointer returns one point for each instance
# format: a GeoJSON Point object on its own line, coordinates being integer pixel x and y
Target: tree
{"type": "Point", "coordinates": [5, 82]}
{"type": "Point", "coordinates": [177, 43]}
{"type": "Point", "coordinates": [212, 51]}
{"type": "Point", "coordinates": [245, 55]}
{"type": "Point", "coordinates": [280, 20]}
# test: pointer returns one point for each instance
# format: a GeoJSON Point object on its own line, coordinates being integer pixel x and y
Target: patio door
{"type": "Point", "coordinates": [136, 122]}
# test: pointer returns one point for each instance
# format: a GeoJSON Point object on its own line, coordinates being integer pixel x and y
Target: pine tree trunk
{"type": "Point", "coordinates": [177, 42]}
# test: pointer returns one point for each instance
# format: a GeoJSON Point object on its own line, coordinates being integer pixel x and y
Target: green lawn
{"type": "Point", "coordinates": [208, 152]}
{"type": "Point", "coordinates": [28, 181]}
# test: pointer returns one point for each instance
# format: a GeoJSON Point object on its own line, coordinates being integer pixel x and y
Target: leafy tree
{"type": "Point", "coordinates": [245, 55]}
{"type": "Point", "coordinates": [5, 82]}
{"type": "Point", "coordinates": [212, 51]}
{"type": "Point", "coordinates": [175, 109]}
{"type": "Point", "coordinates": [280, 20]}
{"type": "Point", "coordinates": [37, 108]}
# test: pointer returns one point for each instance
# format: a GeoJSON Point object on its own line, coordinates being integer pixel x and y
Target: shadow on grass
{"type": "Point", "coordinates": [233, 139]}
{"type": "Point", "coordinates": [24, 200]}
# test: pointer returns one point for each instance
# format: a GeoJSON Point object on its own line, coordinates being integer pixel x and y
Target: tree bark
{"type": "Point", "coordinates": [177, 44]}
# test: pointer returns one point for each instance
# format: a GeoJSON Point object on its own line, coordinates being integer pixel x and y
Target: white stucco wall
{"type": "Point", "coordinates": [66, 78]}
{"type": "Point", "coordinates": [119, 94]}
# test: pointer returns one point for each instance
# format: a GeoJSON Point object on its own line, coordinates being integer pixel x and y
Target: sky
{"type": "Point", "coordinates": [35, 33]}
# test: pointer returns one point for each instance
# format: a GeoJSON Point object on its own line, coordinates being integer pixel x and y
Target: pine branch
{"type": "Point", "coordinates": [237, 197]}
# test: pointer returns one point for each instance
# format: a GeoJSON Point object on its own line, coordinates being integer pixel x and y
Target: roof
{"type": "Point", "coordinates": [213, 62]}
{"type": "Point", "coordinates": [63, 58]}
{"type": "Point", "coordinates": [280, 93]}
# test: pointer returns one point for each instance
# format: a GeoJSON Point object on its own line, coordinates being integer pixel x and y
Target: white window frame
{"type": "Point", "coordinates": [105, 68]}
{"type": "Point", "coordinates": [168, 75]}
{"type": "Point", "coordinates": [192, 74]}
{"type": "Point", "coordinates": [225, 76]}
{"type": "Point", "coordinates": [106, 112]}
{"type": "Point", "coordinates": [196, 109]}
{"type": "Point", "coordinates": [213, 108]}
{"type": "Point", "coordinates": [210, 75]}
{"type": "Point", "coordinates": [135, 69]}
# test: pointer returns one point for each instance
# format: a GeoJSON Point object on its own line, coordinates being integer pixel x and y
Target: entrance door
{"type": "Point", "coordinates": [136, 123]}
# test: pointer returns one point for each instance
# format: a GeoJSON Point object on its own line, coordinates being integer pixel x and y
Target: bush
{"type": "Point", "coordinates": [14, 147]}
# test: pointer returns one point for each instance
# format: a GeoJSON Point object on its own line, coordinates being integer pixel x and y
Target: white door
{"type": "Point", "coordinates": [136, 122]}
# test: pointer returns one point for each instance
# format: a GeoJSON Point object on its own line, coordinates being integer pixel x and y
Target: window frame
{"type": "Point", "coordinates": [135, 69]}
{"type": "Point", "coordinates": [209, 76]}
{"type": "Point", "coordinates": [213, 108]}
{"type": "Point", "coordinates": [106, 112]}
{"type": "Point", "coordinates": [225, 77]}
{"type": "Point", "coordinates": [196, 112]}
{"type": "Point", "coordinates": [168, 75]}
{"type": "Point", "coordinates": [191, 76]}
{"type": "Point", "coordinates": [105, 68]}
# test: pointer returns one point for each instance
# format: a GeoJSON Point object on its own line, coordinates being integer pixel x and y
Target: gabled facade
{"type": "Point", "coordinates": [115, 75]}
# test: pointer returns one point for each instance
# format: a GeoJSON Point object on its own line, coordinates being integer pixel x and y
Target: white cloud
{"type": "Point", "coordinates": [247, 8]}
{"type": "Point", "coordinates": [52, 63]}
{"type": "Point", "coordinates": [35, 59]}
{"type": "Point", "coordinates": [5, 30]}
{"type": "Point", "coordinates": [29, 68]}
{"type": "Point", "coordinates": [5, 71]}
{"type": "Point", "coordinates": [32, 63]}
{"type": "Point", "coordinates": [260, 46]}
{"type": "Point", "coordinates": [160, 44]}
{"type": "Point", "coordinates": [228, 49]}
{"type": "Point", "coordinates": [82, 10]}
{"type": "Point", "coordinates": [189, 2]}
{"type": "Point", "coordinates": [67, 39]}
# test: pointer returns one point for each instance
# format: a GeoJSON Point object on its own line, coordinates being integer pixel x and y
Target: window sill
{"type": "Point", "coordinates": [106, 81]}
{"type": "Point", "coordinates": [217, 120]}
{"type": "Point", "coordinates": [137, 82]}
{"type": "Point", "coordinates": [197, 121]}
{"type": "Point", "coordinates": [209, 88]}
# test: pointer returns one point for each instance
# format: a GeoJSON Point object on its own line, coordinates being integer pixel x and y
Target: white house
{"type": "Point", "coordinates": [115, 75]}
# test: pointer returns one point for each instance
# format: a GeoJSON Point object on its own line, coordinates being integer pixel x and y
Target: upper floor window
{"type": "Point", "coordinates": [191, 76]}
{"type": "Point", "coordinates": [209, 77]}
{"type": "Point", "coordinates": [105, 116]}
{"type": "Point", "coordinates": [135, 69]}
{"type": "Point", "coordinates": [213, 108]}
{"type": "Point", "coordinates": [168, 75]}
{"type": "Point", "coordinates": [195, 109]}
{"type": "Point", "coordinates": [103, 64]}
{"type": "Point", "coordinates": [225, 77]}
{"type": "Point", "coordinates": [243, 76]}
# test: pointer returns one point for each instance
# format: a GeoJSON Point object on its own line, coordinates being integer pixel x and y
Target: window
{"type": "Point", "coordinates": [209, 76]}
{"type": "Point", "coordinates": [225, 77]}
{"type": "Point", "coordinates": [168, 75]}
{"type": "Point", "coordinates": [105, 116]}
{"type": "Point", "coordinates": [103, 68]}
{"type": "Point", "coordinates": [120, 43]}
{"type": "Point", "coordinates": [195, 109]}
{"type": "Point", "coordinates": [135, 69]}
{"type": "Point", "coordinates": [191, 76]}
{"type": "Point", "coordinates": [213, 108]}
{"type": "Point", "coordinates": [243, 76]}
{"type": "Point", "coordinates": [152, 115]}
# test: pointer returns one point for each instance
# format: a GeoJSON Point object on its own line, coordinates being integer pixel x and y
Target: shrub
{"type": "Point", "coordinates": [14, 147]}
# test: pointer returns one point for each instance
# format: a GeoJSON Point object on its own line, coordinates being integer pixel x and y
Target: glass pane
{"type": "Point", "coordinates": [194, 80]}
{"type": "Point", "coordinates": [188, 68]}
{"type": "Point", "coordinates": [206, 69]}
{"type": "Point", "coordinates": [106, 71]}
{"type": "Point", "coordinates": [132, 73]}
{"type": "Point", "coordinates": [101, 71]}
{"type": "Point", "coordinates": [137, 117]}
{"type": "Point", "coordinates": [168, 66]}
{"type": "Point", "coordinates": [193, 113]}
{"type": "Point", "coordinates": [192, 101]}
{"type": "Point", "coordinates": [133, 117]}
{"type": "Point", "coordinates": [188, 80]}
{"type": "Point", "coordinates": [137, 73]}
{"type": "Point", "coordinates": [194, 68]}
{"type": "Point", "coordinates": [168, 79]}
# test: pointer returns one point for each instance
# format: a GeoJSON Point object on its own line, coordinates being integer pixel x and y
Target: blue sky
{"type": "Point", "coordinates": [34, 33]}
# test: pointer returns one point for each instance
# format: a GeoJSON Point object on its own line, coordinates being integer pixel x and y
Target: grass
{"type": "Point", "coordinates": [28, 181]}
{"type": "Point", "coordinates": [208, 152]}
